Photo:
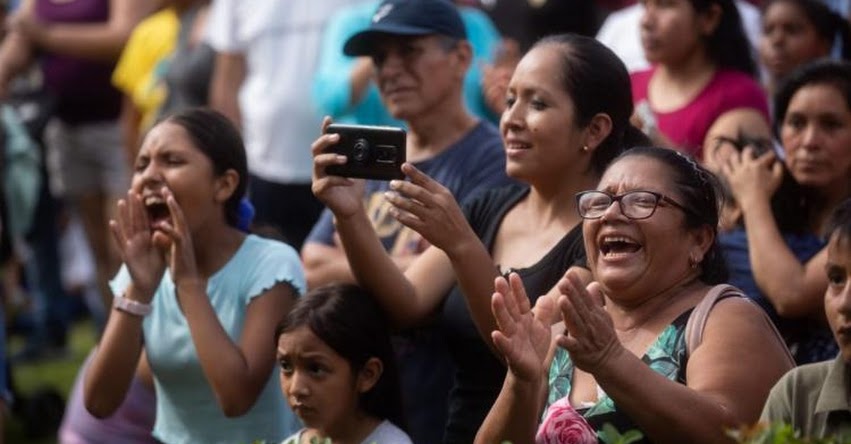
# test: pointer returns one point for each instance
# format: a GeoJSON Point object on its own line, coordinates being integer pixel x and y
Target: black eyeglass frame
{"type": "Point", "coordinates": [619, 199]}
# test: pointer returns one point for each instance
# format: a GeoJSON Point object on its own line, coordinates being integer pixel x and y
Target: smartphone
{"type": "Point", "coordinates": [372, 152]}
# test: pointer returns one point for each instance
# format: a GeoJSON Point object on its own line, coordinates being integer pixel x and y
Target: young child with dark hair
{"type": "Point", "coordinates": [813, 398]}
{"type": "Point", "coordinates": [338, 371]}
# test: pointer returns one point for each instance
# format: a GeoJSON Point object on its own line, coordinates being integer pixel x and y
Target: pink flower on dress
{"type": "Point", "coordinates": [564, 425]}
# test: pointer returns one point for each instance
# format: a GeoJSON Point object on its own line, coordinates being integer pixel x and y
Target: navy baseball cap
{"type": "Point", "coordinates": [409, 18]}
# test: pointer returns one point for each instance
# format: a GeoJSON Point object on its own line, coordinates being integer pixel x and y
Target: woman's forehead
{"type": "Point", "coordinates": [636, 172]}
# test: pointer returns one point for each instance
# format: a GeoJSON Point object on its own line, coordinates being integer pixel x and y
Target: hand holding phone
{"type": "Point", "coordinates": [372, 152]}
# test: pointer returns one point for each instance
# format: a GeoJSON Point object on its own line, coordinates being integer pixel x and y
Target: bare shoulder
{"type": "Point", "coordinates": [737, 319]}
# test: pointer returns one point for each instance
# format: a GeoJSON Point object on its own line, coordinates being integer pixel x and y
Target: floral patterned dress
{"type": "Point", "coordinates": [563, 424]}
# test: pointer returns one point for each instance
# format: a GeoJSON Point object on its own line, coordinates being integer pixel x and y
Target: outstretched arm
{"type": "Point", "coordinates": [94, 41]}
{"type": "Point", "coordinates": [408, 299]}
{"type": "Point", "coordinates": [429, 208]}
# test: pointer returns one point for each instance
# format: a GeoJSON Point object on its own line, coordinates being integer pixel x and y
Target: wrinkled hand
{"type": "Point", "coordinates": [181, 257]}
{"type": "Point", "coordinates": [751, 178]}
{"type": "Point", "coordinates": [589, 334]}
{"type": "Point", "coordinates": [135, 240]}
{"type": "Point", "coordinates": [523, 338]}
{"type": "Point", "coordinates": [427, 207]}
{"type": "Point", "coordinates": [343, 196]}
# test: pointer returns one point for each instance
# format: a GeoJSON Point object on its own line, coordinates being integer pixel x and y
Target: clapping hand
{"type": "Point", "coordinates": [589, 334]}
{"type": "Point", "coordinates": [523, 338]}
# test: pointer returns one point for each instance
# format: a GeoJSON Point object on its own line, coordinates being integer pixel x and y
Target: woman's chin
{"type": "Point", "coordinates": [616, 281]}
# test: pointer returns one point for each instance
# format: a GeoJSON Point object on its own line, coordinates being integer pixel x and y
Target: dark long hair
{"type": "Point", "coordinates": [597, 81]}
{"type": "Point", "coordinates": [839, 223]}
{"type": "Point", "coordinates": [829, 72]}
{"type": "Point", "coordinates": [727, 46]}
{"type": "Point", "coordinates": [347, 319]}
{"type": "Point", "coordinates": [699, 193]}
{"type": "Point", "coordinates": [826, 22]}
{"type": "Point", "coordinates": [216, 137]}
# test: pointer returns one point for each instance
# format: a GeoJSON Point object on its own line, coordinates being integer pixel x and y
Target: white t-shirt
{"type": "Point", "coordinates": [620, 32]}
{"type": "Point", "coordinates": [280, 41]}
{"type": "Point", "coordinates": [384, 433]}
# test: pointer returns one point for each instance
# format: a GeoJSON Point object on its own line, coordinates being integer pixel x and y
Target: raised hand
{"type": "Point", "coordinates": [181, 257]}
{"type": "Point", "coordinates": [135, 240]}
{"type": "Point", "coordinates": [589, 334]}
{"type": "Point", "coordinates": [427, 207]}
{"type": "Point", "coordinates": [342, 195]}
{"type": "Point", "coordinates": [523, 339]}
{"type": "Point", "coordinates": [751, 178]}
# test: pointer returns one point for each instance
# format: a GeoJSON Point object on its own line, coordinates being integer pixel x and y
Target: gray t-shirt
{"type": "Point", "coordinates": [385, 433]}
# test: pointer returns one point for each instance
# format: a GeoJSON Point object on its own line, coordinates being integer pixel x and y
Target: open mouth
{"type": "Point", "coordinates": [614, 246]}
{"type": "Point", "coordinates": [157, 210]}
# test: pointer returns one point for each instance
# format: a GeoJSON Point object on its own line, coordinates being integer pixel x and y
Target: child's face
{"type": "Point", "coordinates": [318, 383]}
{"type": "Point", "coordinates": [837, 298]}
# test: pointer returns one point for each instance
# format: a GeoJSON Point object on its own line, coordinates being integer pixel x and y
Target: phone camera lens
{"type": "Point", "coordinates": [360, 150]}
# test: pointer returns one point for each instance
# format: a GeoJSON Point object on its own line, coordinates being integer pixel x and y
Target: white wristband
{"type": "Point", "coordinates": [130, 306]}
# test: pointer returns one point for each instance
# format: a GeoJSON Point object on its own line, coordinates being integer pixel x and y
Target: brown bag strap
{"type": "Point", "coordinates": [697, 319]}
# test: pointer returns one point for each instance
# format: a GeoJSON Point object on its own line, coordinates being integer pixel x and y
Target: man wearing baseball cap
{"type": "Point", "coordinates": [420, 56]}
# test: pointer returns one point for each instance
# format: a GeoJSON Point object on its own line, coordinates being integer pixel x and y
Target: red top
{"type": "Point", "coordinates": [687, 126]}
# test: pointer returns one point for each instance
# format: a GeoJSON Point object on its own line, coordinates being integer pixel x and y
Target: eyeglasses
{"type": "Point", "coordinates": [635, 205]}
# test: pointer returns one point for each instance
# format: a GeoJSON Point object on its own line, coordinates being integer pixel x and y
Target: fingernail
{"type": "Point", "coordinates": [395, 184]}
{"type": "Point", "coordinates": [389, 195]}
{"type": "Point", "coordinates": [341, 158]}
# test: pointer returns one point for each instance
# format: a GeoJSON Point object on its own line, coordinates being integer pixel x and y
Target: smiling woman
{"type": "Point", "coordinates": [567, 115]}
{"type": "Point", "coordinates": [621, 355]}
{"type": "Point", "coordinates": [201, 331]}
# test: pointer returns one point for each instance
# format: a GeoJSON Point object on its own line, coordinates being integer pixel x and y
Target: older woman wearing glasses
{"type": "Point", "coordinates": [620, 356]}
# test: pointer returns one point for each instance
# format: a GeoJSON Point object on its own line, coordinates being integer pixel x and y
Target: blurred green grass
{"type": "Point", "coordinates": [58, 373]}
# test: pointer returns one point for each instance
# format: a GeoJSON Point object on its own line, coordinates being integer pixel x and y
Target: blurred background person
{"type": "Point", "coordinates": [702, 72]}
{"type": "Point", "coordinates": [622, 28]}
{"type": "Point", "coordinates": [813, 121]}
{"type": "Point", "coordinates": [266, 53]}
{"type": "Point", "coordinates": [795, 32]}
{"type": "Point", "coordinates": [75, 45]}
{"type": "Point", "coordinates": [344, 86]}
